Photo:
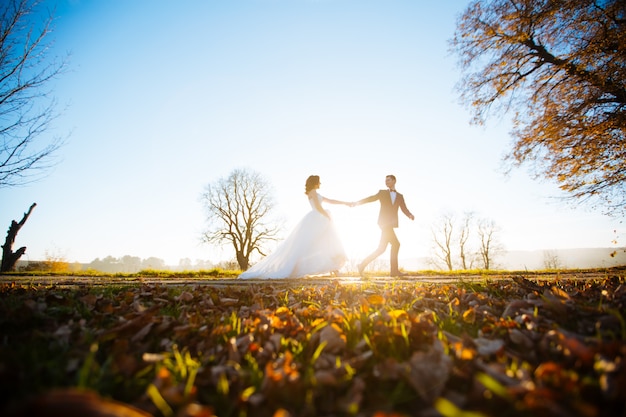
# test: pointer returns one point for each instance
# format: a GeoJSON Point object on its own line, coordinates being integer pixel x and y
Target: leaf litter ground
{"type": "Point", "coordinates": [494, 346]}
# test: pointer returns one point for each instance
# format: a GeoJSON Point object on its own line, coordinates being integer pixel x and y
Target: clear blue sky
{"type": "Point", "coordinates": [165, 97]}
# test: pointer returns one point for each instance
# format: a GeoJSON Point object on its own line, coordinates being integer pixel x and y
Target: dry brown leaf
{"type": "Point", "coordinates": [521, 339]}
{"type": "Point", "coordinates": [486, 347]}
{"type": "Point", "coordinates": [74, 402]}
{"type": "Point", "coordinates": [325, 377]}
{"type": "Point", "coordinates": [141, 334]}
{"type": "Point", "coordinates": [515, 308]}
{"type": "Point", "coordinates": [428, 372]}
{"type": "Point", "coordinates": [185, 296]}
{"type": "Point", "coordinates": [334, 339]}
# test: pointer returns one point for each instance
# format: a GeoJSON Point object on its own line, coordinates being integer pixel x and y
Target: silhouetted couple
{"type": "Point", "coordinates": [314, 247]}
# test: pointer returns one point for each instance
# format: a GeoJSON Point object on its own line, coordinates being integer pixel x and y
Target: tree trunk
{"type": "Point", "coordinates": [242, 260]}
{"type": "Point", "coordinates": [10, 258]}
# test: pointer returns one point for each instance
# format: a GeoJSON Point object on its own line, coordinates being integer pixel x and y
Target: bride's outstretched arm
{"type": "Point", "coordinates": [333, 201]}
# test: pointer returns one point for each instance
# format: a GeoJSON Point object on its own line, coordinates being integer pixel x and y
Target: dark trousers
{"type": "Point", "coordinates": [387, 237]}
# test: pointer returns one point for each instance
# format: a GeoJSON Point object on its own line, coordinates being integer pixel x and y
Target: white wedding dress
{"type": "Point", "coordinates": [312, 248]}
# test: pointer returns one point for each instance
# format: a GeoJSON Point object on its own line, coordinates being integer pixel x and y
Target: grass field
{"type": "Point", "coordinates": [500, 344]}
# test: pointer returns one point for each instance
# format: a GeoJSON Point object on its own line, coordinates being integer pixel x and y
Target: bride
{"type": "Point", "coordinates": [312, 248]}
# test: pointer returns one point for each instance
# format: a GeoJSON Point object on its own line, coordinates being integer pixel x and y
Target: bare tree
{"type": "Point", "coordinates": [442, 233]}
{"type": "Point", "coordinates": [27, 107]}
{"type": "Point", "coordinates": [239, 209]}
{"type": "Point", "coordinates": [551, 260]}
{"type": "Point", "coordinates": [464, 235]}
{"type": "Point", "coordinates": [560, 68]}
{"type": "Point", "coordinates": [488, 244]}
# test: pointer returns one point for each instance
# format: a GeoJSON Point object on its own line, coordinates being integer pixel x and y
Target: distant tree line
{"type": "Point", "coordinates": [132, 264]}
{"type": "Point", "coordinates": [126, 264]}
{"type": "Point", "coordinates": [113, 265]}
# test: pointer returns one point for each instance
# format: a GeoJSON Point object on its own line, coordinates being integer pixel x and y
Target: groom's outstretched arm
{"type": "Point", "coordinates": [369, 199]}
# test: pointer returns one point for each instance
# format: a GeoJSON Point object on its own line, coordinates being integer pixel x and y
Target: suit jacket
{"type": "Point", "coordinates": [388, 215]}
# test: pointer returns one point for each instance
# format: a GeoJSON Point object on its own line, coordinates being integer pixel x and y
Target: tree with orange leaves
{"type": "Point", "coordinates": [559, 66]}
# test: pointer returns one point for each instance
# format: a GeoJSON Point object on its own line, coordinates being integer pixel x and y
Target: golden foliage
{"type": "Point", "coordinates": [560, 68]}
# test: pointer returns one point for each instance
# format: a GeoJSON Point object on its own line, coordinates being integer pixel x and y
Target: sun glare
{"type": "Point", "coordinates": [358, 231]}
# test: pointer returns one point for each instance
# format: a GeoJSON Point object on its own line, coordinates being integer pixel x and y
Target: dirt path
{"type": "Point", "coordinates": [70, 281]}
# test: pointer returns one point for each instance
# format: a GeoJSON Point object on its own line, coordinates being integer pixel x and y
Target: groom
{"type": "Point", "coordinates": [390, 200]}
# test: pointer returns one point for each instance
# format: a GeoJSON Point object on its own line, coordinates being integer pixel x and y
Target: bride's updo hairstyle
{"type": "Point", "coordinates": [311, 182]}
